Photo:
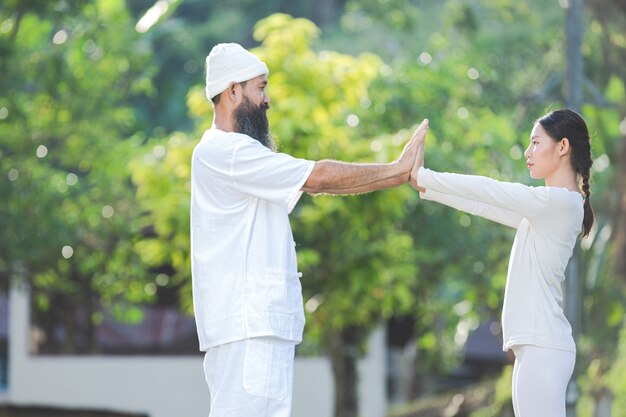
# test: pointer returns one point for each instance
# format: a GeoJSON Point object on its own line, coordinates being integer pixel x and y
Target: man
{"type": "Point", "coordinates": [246, 285]}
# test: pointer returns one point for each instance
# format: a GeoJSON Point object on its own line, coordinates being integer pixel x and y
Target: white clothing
{"type": "Point", "coordinates": [252, 377]}
{"type": "Point", "coordinates": [230, 62]}
{"type": "Point", "coordinates": [540, 378]}
{"type": "Point", "coordinates": [548, 221]}
{"type": "Point", "coordinates": [243, 259]}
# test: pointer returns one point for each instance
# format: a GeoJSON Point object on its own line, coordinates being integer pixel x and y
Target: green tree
{"type": "Point", "coordinates": [66, 134]}
{"type": "Point", "coordinates": [183, 35]}
{"type": "Point", "coordinates": [604, 294]}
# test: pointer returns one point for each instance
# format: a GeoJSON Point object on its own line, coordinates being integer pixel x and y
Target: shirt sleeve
{"type": "Point", "coordinates": [489, 212]}
{"type": "Point", "coordinates": [495, 196]}
{"type": "Point", "coordinates": [271, 176]}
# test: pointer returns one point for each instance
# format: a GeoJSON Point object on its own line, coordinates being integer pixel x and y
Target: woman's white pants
{"type": "Point", "coordinates": [540, 378]}
{"type": "Point", "coordinates": [251, 377]}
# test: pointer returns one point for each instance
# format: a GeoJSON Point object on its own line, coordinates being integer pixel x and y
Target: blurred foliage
{"type": "Point", "coordinates": [616, 382]}
{"type": "Point", "coordinates": [501, 405]}
{"type": "Point", "coordinates": [185, 33]}
{"type": "Point", "coordinates": [603, 381]}
{"type": "Point", "coordinates": [486, 398]}
{"type": "Point", "coordinates": [66, 134]}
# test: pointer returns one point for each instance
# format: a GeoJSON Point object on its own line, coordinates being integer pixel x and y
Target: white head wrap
{"type": "Point", "coordinates": [229, 62]}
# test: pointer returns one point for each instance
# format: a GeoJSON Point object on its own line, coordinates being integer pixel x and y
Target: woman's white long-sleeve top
{"type": "Point", "coordinates": [548, 221]}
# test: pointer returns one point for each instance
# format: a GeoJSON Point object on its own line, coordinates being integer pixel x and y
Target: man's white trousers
{"type": "Point", "coordinates": [251, 377]}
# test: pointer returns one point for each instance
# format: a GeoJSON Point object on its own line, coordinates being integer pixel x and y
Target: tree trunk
{"type": "Point", "coordinates": [603, 403]}
{"type": "Point", "coordinates": [619, 236]}
{"type": "Point", "coordinates": [343, 349]}
{"type": "Point", "coordinates": [327, 12]}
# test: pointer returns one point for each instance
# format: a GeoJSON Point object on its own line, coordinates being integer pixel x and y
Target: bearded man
{"type": "Point", "coordinates": [246, 286]}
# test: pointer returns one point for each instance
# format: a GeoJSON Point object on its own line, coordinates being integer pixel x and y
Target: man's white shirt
{"type": "Point", "coordinates": [244, 268]}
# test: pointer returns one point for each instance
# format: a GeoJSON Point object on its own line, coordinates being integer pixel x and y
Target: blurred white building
{"type": "Point", "coordinates": [157, 386]}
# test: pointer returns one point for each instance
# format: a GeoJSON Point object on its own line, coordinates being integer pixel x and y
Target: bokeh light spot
{"type": "Point", "coordinates": [14, 174]}
{"type": "Point", "coordinates": [352, 120]}
{"type": "Point", "coordinates": [159, 151]}
{"type": "Point", "coordinates": [465, 220]}
{"type": "Point", "coordinates": [67, 251]}
{"type": "Point", "coordinates": [42, 151]}
{"type": "Point", "coordinates": [71, 179]}
{"type": "Point", "coordinates": [107, 212]}
{"type": "Point", "coordinates": [162, 280]}
{"type": "Point", "coordinates": [515, 152]}
{"type": "Point", "coordinates": [376, 145]}
{"type": "Point", "coordinates": [60, 37]}
{"type": "Point", "coordinates": [150, 288]}
{"type": "Point", "coordinates": [425, 58]}
{"type": "Point", "coordinates": [6, 26]}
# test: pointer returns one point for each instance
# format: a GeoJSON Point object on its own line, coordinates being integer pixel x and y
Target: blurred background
{"type": "Point", "coordinates": [102, 102]}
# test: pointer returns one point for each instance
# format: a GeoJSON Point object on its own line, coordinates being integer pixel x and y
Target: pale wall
{"type": "Point", "coordinates": [162, 386]}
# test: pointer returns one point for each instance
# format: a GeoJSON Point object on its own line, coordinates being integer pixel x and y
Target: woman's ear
{"type": "Point", "coordinates": [563, 146]}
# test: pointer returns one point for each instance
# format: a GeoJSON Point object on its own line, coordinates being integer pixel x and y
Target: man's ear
{"type": "Point", "coordinates": [234, 91]}
{"type": "Point", "coordinates": [564, 146]}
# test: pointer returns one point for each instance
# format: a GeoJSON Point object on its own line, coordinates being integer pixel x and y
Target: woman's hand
{"type": "Point", "coordinates": [420, 135]}
{"type": "Point", "coordinates": [407, 158]}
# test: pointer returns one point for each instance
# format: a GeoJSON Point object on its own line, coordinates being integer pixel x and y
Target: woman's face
{"type": "Point", "coordinates": [542, 155]}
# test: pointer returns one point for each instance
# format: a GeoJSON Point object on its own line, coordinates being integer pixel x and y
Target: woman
{"type": "Point", "coordinates": [548, 220]}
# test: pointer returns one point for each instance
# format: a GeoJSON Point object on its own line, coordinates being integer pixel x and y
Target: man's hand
{"type": "Point", "coordinates": [420, 136]}
{"type": "Point", "coordinates": [409, 154]}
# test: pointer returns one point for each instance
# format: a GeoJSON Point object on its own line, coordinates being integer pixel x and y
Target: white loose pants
{"type": "Point", "coordinates": [251, 377]}
{"type": "Point", "coordinates": [540, 378]}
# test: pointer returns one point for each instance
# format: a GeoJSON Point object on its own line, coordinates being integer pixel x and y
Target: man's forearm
{"type": "Point", "coordinates": [374, 186]}
{"type": "Point", "coordinates": [337, 177]}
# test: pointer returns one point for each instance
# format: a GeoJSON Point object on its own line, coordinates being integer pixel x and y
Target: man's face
{"type": "Point", "coordinates": [250, 116]}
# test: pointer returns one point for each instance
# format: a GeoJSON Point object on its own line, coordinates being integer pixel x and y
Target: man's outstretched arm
{"type": "Point", "coordinates": [336, 177]}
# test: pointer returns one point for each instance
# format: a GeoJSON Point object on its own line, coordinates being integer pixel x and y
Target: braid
{"type": "Point", "coordinates": [581, 159]}
{"type": "Point", "coordinates": [588, 217]}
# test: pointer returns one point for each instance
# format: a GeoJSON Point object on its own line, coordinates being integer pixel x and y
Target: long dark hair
{"type": "Point", "coordinates": [566, 123]}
